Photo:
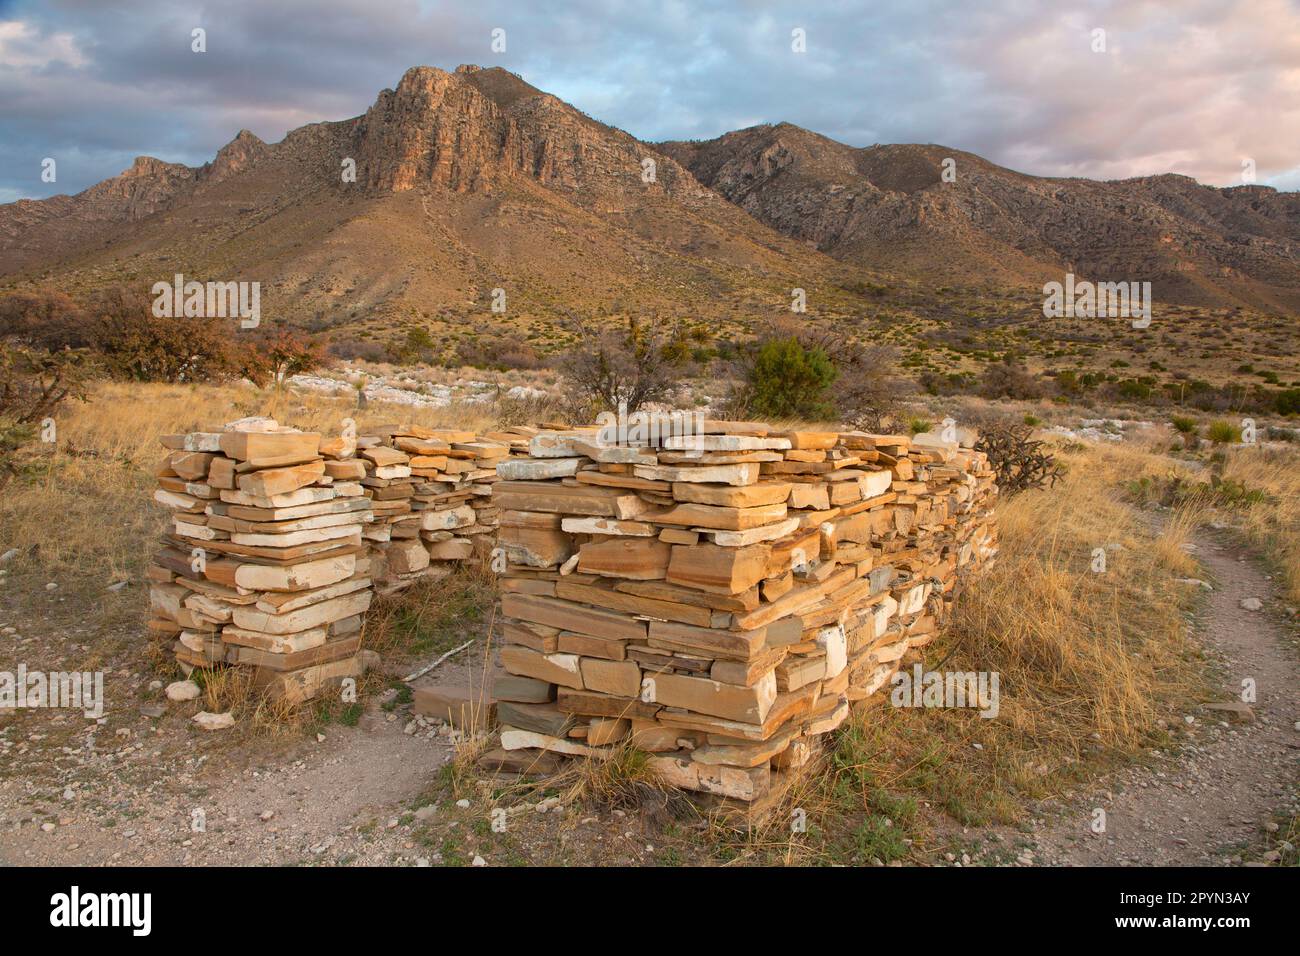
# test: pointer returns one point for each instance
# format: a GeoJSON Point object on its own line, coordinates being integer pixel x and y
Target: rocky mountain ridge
{"type": "Point", "coordinates": [724, 215]}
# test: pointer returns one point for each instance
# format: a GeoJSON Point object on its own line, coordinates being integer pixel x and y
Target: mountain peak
{"type": "Point", "coordinates": [236, 156]}
{"type": "Point", "coordinates": [150, 166]}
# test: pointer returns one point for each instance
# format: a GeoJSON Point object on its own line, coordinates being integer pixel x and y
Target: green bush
{"type": "Point", "coordinates": [1183, 424]}
{"type": "Point", "coordinates": [1288, 402]}
{"type": "Point", "coordinates": [789, 381]}
{"type": "Point", "coordinates": [1222, 433]}
{"type": "Point", "coordinates": [1133, 390]}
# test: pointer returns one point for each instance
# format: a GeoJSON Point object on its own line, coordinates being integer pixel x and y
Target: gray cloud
{"type": "Point", "coordinates": [1194, 90]}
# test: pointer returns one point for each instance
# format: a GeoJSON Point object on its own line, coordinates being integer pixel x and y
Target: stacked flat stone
{"type": "Point", "coordinates": [721, 599]}
{"type": "Point", "coordinates": [431, 494]}
{"type": "Point", "coordinates": [263, 564]}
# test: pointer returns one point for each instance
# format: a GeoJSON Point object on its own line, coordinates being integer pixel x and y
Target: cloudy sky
{"type": "Point", "coordinates": [1189, 86]}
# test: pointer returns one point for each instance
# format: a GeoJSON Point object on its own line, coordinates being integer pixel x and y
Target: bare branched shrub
{"type": "Point", "coordinates": [867, 391]}
{"type": "Point", "coordinates": [1010, 379]}
{"type": "Point", "coordinates": [612, 367]}
{"type": "Point", "coordinates": [1019, 461]}
{"type": "Point", "coordinates": [32, 386]}
{"type": "Point", "coordinates": [501, 352]}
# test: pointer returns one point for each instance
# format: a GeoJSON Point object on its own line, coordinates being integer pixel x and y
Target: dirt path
{"type": "Point", "coordinates": [1214, 803]}
{"type": "Point", "coordinates": [347, 798]}
{"type": "Point", "coordinates": [144, 786]}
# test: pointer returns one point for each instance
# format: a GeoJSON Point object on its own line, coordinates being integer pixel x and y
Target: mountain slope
{"type": "Point", "coordinates": [472, 181]}
{"type": "Point", "coordinates": [465, 182]}
{"type": "Point", "coordinates": [889, 207]}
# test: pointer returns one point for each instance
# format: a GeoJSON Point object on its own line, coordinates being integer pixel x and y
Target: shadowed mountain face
{"type": "Point", "coordinates": [471, 181]}
{"type": "Point", "coordinates": [891, 207]}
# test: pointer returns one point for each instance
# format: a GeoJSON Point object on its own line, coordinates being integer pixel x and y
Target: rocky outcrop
{"type": "Point", "coordinates": [471, 129]}
{"type": "Point", "coordinates": [236, 156]}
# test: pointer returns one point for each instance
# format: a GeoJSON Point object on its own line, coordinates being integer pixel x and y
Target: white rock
{"type": "Point", "coordinates": [1251, 604]}
{"type": "Point", "coordinates": [213, 721]}
{"type": "Point", "coordinates": [183, 690]}
{"type": "Point", "coordinates": [254, 423]}
{"type": "Point", "coordinates": [479, 861]}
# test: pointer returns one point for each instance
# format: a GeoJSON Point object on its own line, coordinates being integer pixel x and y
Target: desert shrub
{"type": "Point", "coordinates": [270, 356]}
{"type": "Point", "coordinates": [1222, 433]}
{"type": "Point", "coordinates": [917, 426]}
{"type": "Point", "coordinates": [1174, 491]}
{"type": "Point", "coordinates": [138, 346]}
{"type": "Point", "coordinates": [43, 319]}
{"type": "Point", "coordinates": [348, 348]}
{"type": "Point", "coordinates": [941, 383]}
{"type": "Point", "coordinates": [117, 324]}
{"type": "Point", "coordinates": [533, 409]}
{"type": "Point", "coordinates": [1019, 461]}
{"type": "Point", "coordinates": [867, 387]}
{"type": "Point", "coordinates": [786, 380]}
{"type": "Point", "coordinates": [32, 386]}
{"type": "Point", "coordinates": [1067, 382]}
{"type": "Point", "coordinates": [500, 353]}
{"type": "Point", "coordinates": [1133, 390]}
{"type": "Point", "coordinates": [865, 288]}
{"type": "Point", "coordinates": [1288, 402]}
{"type": "Point", "coordinates": [417, 347]}
{"type": "Point", "coordinates": [118, 327]}
{"type": "Point", "coordinates": [618, 366]}
{"type": "Point", "coordinates": [1183, 424]}
{"type": "Point", "coordinates": [1009, 379]}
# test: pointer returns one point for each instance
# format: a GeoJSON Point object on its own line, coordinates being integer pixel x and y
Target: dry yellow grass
{"type": "Point", "coordinates": [1092, 667]}
{"type": "Point", "coordinates": [1274, 522]}
{"type": "Point", "coordinates": [91, 513]}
